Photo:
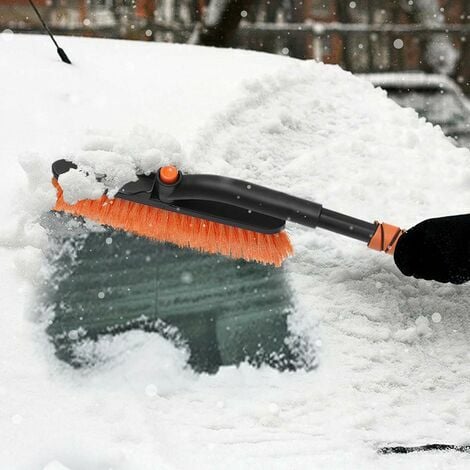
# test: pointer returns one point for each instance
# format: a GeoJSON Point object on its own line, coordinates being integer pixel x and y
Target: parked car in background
{"type": "Point", "coordinates": [435, 97]}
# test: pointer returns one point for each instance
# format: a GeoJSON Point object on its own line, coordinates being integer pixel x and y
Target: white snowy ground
{"type": "Point", "coordinates": [394, 352]}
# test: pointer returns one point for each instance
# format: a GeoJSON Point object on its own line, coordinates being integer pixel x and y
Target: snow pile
{"type": "Point", "coordinates": [394, 351]}
{"type": "Point", "coordinates": [81, 185]}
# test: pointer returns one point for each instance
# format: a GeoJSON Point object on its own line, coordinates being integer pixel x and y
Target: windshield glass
{"type": "Point", "coordinates": [105, 282]}
{"type": "Point", "coordinates": [436, 105]}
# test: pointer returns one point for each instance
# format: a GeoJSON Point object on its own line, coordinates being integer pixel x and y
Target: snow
{"type": "Point", "coordinates": [388, 372]}
{"type": "Point", "coordinates": [81, 185]}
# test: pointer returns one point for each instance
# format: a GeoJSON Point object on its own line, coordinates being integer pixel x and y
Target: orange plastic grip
{"type": "Point", "coordinates": [385, 238]}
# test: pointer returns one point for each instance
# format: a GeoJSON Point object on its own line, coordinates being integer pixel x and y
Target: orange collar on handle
{"type": "Point", "coordinates": [385, 238]}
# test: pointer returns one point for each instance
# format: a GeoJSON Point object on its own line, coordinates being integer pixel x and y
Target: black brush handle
{"type": "Point", "coordinates": [346, 225]}
{"type": "Point", "coordinates": [260, 199]}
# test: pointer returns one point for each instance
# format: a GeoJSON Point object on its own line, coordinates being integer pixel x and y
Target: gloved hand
{"type": "Point", "coordinates": [436, 249]}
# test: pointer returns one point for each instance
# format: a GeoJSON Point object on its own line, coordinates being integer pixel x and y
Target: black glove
{"type": "Point", "coordinates": [436, 249]}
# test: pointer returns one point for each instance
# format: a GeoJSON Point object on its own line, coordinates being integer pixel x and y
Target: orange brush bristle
{"type": "Point", "coordinates": [180, 229]}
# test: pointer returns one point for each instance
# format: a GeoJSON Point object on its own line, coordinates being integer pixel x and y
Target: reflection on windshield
{"type": "Point", "coordinates": [435, 105]}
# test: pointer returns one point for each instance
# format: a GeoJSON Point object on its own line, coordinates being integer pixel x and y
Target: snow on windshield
{"type": "Point", "coordinates": [394, 351]}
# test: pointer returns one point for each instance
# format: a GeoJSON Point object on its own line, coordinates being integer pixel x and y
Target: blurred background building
{"type": "Point", "coordinates": [360, 35]}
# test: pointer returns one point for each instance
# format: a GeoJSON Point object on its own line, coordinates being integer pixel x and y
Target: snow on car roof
{"type": "Point", "coordinates": [393, 350]}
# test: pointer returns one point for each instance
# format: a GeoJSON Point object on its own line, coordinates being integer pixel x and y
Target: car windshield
{"type": "Point", "coordinates": [435, 104]}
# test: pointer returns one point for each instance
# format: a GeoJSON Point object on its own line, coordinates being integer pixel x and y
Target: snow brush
{"type": "Point", "coordinates": [217, 214]}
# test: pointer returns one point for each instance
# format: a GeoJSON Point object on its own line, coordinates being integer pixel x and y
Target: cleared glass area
{"type": "Point", "coordinates": [106, 282]}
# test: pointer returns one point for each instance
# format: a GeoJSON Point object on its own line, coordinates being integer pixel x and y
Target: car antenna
{"type": "Point", "coordinates": [60, 51]}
